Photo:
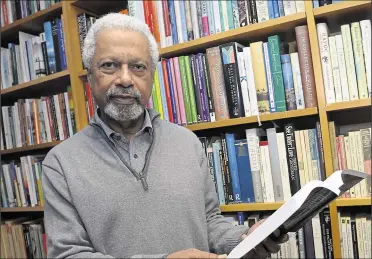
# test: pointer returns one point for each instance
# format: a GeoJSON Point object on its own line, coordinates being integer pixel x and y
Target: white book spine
{"type": "Point", "coordinates": [10, 13]}
{"type": "Point", "coordinates": [17, 125]}
{"type": "Point", "coordinates": [300, 6]}
{"type": "Point", "coordinates": [59, 117]}
{"type": "Point", "coordinates": [224, 16]}
{"type": "Point", "coordinates": [360, 68]}
{"type": "Point", "coordinates": [194, 19]}
{"type": "Point", "coordinates": [275, 164]}
{"type": "Point", "coordinates": [254, 158]}
{"type": "Point", "coordinates": [39, 65]}
{"type": "Point", "coordinates": [7, 133]}
{"type": "Point", "coordinates": [358, 220]}
{"type": "Point", "coordinates": [19, 65]}
{"type": "Point", "coordinates": [177, 11]}
{"type": "Point", "coordinates": [262, 173]}
{"type": "Point", "coordinates": [262, 10]}
{"type": "Point", "coordinates": [9, 63]}
{"type": "Point", "coordinates": [335, 68]}
{"type": "Point", "coordinates": [244, 84]}
{"type": "Point", "coordinates": [31, 181]}
{"type": "Point", "coordinates": [354, 159]}
{"type": "Point", "coordinates": [25, 67]}
{"type": "Point", "coordinates": [42, 5]}
{"type": "Point", "coordinates": [300, 161]}
{"type": "Point", "coordinates": [325, 57]}
{"type": "Point", "coordinates": [289, 7]}
{"type": "Point", "coordinates": [9, 186]}
{"type": "Point", "coordinates": [250, 80]}
{"type": "Point", "coordinates": [368, 234]}
{"type": "Point", "coordinates": [269, 80]}
{"type": "Point", "coordinates": [342, 68]}
{"type": "Point", "coordinates": [269, 187]}
{"type": "Point", "coordinates": [360, 160]}
{"type": "Point", "coordinates": [349, 61]}
{"type": "Point", "coordinates": [31, 54]}
{"type": "Point", "coordinates": [297, 81]}
{"type": "Point", "coordinates": [216, 14]}
{"type": "Point", "coordinates": [283, 166]}
{"type": "Point", "coordinates": [21, 188]}
{"type": "Point", "coordinates": [46, 120]}
{"type": "Point", "coordinates": [317, 235]}
{"type": "Point", "coordinates": [367, 246]}
{"type": "Point", "coordinates": [310, 171]}
{"type": "Point", "coordinates": [365, 26]}
{"type": "Point", "coordinates": [293, 245]}
{"type": "Point", "coordinates": [349, 237]}
{"type": "Point", "coordinates": [4, 67]}
{"type": "Point", "coordinates": [159, 9]}
{"type": "Point", "coordinates": [349, 162]}
{"type": "Point", "coordinates": [345, 251]}
{"type": "Point", "coordinates": [304, 156]}
{"type": "Point", "coordinates": [69, 121]}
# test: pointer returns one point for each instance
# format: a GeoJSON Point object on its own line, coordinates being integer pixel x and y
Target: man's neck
{"type": "Point", "coordinates": [126, 128]}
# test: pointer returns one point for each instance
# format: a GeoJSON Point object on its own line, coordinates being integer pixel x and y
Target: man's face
{"type": "Point", "coordinates": [122, 75]}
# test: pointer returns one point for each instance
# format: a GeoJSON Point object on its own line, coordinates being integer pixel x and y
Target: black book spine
{"type": "Point", "coordinates": [301, 243]}
{"type": "Point", "coordinates": [230, 194]}
{"type": "Point", "coordinates": [38, 5]}
{"type": "Point", "coordinates": [14, 64]}
{"type": "Point", "coordinates": [196, 89]}
{"type": "Point", "coordinates": [309, 240]}
{"type": "Point", "coordinates": [324, 234]}
{"type": "Point", "coordinates": [231, 74]}
{"type": "Point", "coordinates": [354, 236]}
{"type": "Point", "coordinates": [45, 56]}
{"type": "Point", "coordinates": [223, 175]}
{"type": "Point", "coordinates": [325, 2]}
{"type": "Point", "coordinates": [325, 222]}
{"type": "Point", "coordinates": [290, 144]}
{"type": "Point", "coordinates": [54, 115]}
{"type": "Point", "coordinates": [212, 112]}
{"type": "Point", "coordinates": [320, 151]}
{"type": "Point", "coordinates": [252, 4]}
{"type": "Point", "coordinates": [243, 19]}
{"type": "Point", "coordinates": [18, 9]}
{"type": "Point", "coordinates": [56, 44]}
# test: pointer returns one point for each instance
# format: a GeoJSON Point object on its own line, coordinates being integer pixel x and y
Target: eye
{"type": "Point", "coordinates": [138, 67]}
{"type": "Point", "coordinates": [109, 65]}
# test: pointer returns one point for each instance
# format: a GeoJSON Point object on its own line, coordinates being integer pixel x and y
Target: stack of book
{"type": "Point", "coordinates": [35, 56]}
{"type": "Point", "coordinates": [21, 182]}
{"type": "Point", "coordinates": [351, 149]}
{"type": "Point", "coordinates": [18, 9]}
{"type": "Point", "coordinates": [23, 238]}
{"type": "Point", "coordinates": [346, 61]}
{"type": "Point", "coordinates": [36, 121]}
{"type": "Point", "coordinates": [355, 234]}
{"type": "Point", "coordinates": [173, 22]}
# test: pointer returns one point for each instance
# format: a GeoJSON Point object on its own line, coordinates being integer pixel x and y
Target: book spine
{"type": "Point", "coordinates": [190, 88]}
{"type": "Point", "coordinates": [173, 22]}
{"type": "Point", "coordinates": [168, 96]}
{"type": "Point", "coordinates": [212, 113]}
{"type": "Point", "coordinates": [172, 91]}
{"type": "Point", "coordinates": [194, 19]}
{"type": "Point", "coordinates": [217, 164]}
{"type": "Point", "coordinates": [233, 166]}
{"type": "Point", "coordinates": [181, 101]}
{"type": "Point", "coordinates": [229, 187]}
{"type": "Point", "coordinates": [243, 18]}
{"type": "Point", "coordinates": [190, 32]}
{"type": "Point", "coordinates": [288, 82]}
{"type": "Point", "coordinates": [230, 15]}
{"type": "Point", "coordinates": [216, 16]}
{"type": "Point", "coordinates": [262, 10]}
{"type": "Point", "coordinates": [342, 68]}
{"type": "Point", "coordinates": [354, 236]}
{"type": "Point", "coordinates": [199, 14]}
{"type": "Point", "coordinates": [269, 77]}
{"type": "Point", "coordinates": [365, 26]}
{"type": "Point", "coordinates": [50, 44]}
{"type": "Point", "coordinates": [252, 4]}
{"type": "Point", "coordinates": [366, 142]}
{"type": "Point", "coordinates": [244, 84]}
{"type": "Point", "coordinates": [162, 96]}
{"type": "Point", "coordinates": [276, 71]}
{"type": "Point", "coordinates": [335, 68]}
{"type": "Point", "coordinates": [158, 93]}
{"type": "Point", "coordinates": [297, 81]}
{"type": "Point", "coordinates": [61, 44]}
{"type": "Point", "coordinates": [250, 80]}
{"type": "Point", "coordinates": [306, 66]}
{"type": "Point", "coordinates": [185, 90]}
{"type": "Point", "coordinates": [204, 95]}
{"type": "Point", "coordinates": [289, 7]}
{"type": "Point", "coordinates": [235, 12]}
{"type": "Point", "coordinates": [205, 18]}
{"type": "Point", "coordinates": [290, 143]}
{"type": "Point", "coordinates": [317, 234]}
{"type": "Point", "coordinates": [212, 29]}
{"type": "Point", "coordinates": [56, 43]}
{"type": "Point", "coordinates": [270, 6]}
{"type": "Point", "coordinates": [177, 16]}
{"type": "Point", "coordinates": [309, 240]}
{"type": "Point", "coordinates": [196, 85]}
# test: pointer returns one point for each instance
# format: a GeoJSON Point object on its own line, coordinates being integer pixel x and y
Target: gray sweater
{"type": "Point", "coordinates": [96, 208]}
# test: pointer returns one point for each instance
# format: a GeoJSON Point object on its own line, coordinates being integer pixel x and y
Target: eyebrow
{"type": "Point", "coordinates": [131, 59]}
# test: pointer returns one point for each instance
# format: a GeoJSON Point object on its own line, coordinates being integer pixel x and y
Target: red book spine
{"type": "Point", "coordinates": [167, 91]}
{"type": "Point", "coordinates": [90, 100]}
{"type": "Point", "coordinates": [147, 9]}
{"type": "Point", "coordinates": [166, 18]}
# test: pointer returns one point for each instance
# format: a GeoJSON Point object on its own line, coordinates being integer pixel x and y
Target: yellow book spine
{"type": "Point", "coordinates": [158, 95]}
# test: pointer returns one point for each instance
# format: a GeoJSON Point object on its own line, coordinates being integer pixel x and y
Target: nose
{"type": "Point", "coordinates": [124, 77]}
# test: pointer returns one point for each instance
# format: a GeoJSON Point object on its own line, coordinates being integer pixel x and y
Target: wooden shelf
{"type": "Point", "coordinates": [29, 148]}
{"type": "Point", "coordinates": [100, 7]}
{"type": "Point", "coordinates": [33, 23]}
{"type": "Point", "coordinates": [349, 105]}
{"type": "Point", "coordinates": [251, 207]}
{"type": "Point", "coordinates": [83, 73]}
{"type": "Point", "coordinates": [347, 202]}
{"type": "Point", "coordinates": [243, 34]}
{"type": "Point", "coordinates": [341, 8]}
{"type": "Point", "coordinates": [22, 209]}
{"type": "Point", "coordinates": [253, 119]}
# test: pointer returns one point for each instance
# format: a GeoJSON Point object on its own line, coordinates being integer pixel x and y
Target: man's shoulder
{"type": "Point", "coordinates": [175, 129]}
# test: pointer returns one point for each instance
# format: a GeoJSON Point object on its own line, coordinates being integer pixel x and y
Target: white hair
{"type": "Point", "coordinates": [120, 21]}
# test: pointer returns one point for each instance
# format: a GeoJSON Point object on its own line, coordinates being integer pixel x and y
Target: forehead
{"type": "Point", "coordinates": [118, 42]}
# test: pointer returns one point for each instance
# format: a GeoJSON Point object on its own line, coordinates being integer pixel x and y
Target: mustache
{"type": "Point", "coordinates": [120, 90]}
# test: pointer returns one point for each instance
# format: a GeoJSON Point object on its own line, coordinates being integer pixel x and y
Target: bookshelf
{"type": "Point", "coordinates": [76, 75]}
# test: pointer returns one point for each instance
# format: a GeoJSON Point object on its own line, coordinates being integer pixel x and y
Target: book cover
{"type": "Point", "coordinates": [269, 80]}
{"type": "Point", "coordinates": [206, 73]}
{"type": "Point", "coordinates": [290, 95]}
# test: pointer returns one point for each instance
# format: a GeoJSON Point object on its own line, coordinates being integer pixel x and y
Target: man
{"type": "Point", "coordinates": [130, 184]}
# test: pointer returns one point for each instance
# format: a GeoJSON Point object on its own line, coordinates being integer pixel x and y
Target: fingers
{"type": "Point", "coordinates": [197, 254]}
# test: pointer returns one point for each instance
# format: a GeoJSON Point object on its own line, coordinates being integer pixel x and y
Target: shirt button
{"type": "Point", "coordinates": [135, 156]}
{"type": "Point", "coordinates": [117, 137]}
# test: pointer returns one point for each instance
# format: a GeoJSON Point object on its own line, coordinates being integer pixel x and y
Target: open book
{"type": "Point", "coordinates": [300, 208]}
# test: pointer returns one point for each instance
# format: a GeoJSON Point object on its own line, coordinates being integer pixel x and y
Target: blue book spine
{"type": "Point", "coordinates": [314, 142]}
{"type": "Point", "coordinates": [183, 21]}
{"type": "Point", "coordinates": [212, 29]}
{"type": "Point", "coordinates": [281, 8]}
{"type": "Point", "coordinates": [270, 85]}
{"type": "Point", "coordinates": [240, 218]}
{"type": "Point", "coordinates": [270, 5]}
{"type": "Point", "coordinates": [50, 47]}
{"type": "Point", "coordinates": [172, 20]}
{"type": "Point", "coordinates": [162, 92]}
{"type": "Point", "coordinates": [244, 170]}
{"type": "Point", "coordinates": [171, 90]}
{"type": "Point", "coordinates": [61, 45]}
{"type": "Point", "coordinates": [4, 198]}
{"type": "Point", "coordinates": [315, 3]}
{"type": "Point", "coordinates": [290, 96]}
{"type": "Point", "coordinates": [217, 168]}
{"type": "Point", "coordinates": [233, 165]}
{"type": "Point", "coordinates": [276, 9]}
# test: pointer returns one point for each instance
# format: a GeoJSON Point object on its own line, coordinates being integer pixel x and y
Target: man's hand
{"type": "Point", "coordinates": [194, 253]}
{"type": "Point", "coordinates": [268, 246]}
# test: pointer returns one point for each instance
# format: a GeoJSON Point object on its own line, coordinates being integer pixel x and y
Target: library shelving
{"type": "Point", "coordinates": [76, 76]}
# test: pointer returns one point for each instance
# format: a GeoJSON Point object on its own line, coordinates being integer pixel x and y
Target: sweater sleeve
{"type": "Point", "coordinates": [66, 235]}
{"type": "Point", "coordinates": [222, 235]}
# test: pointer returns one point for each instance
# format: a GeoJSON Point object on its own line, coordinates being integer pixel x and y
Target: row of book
{"type": "Point", "coordinates": [351, 149]}
{"type": "Point", "coordinates": [35, 56]}
{"type": "Point", "coordinates": [173, 22]}
{"type": "Point", "coordinates": [346, 61]}
{"type": "Point", "coordinates": [266, 166]}
{"type": "Point", "coordinates": [23, 238]}
{"type": "Point", "coordinates": [314, 240]}
{"type": "Point", "coordinates": [355, 234]}
{"type": "Point", "coordinates": [21, 182]}
{"type": "Point", "coordinates": [36, 121]}
{"type": "Point", "coordinates": [18, 9]}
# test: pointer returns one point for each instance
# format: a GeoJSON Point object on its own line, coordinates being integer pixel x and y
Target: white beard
{"type": "Point", "coordinates": [123, 112]}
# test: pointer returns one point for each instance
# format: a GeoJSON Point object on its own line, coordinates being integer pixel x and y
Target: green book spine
{"type": "Point", "coordinates": [230, 16]}
{"type": "Point", "coordinates": [221, 16]}
{"type": "Point", "coordinates": [276, 73]}
{"type": "Point", "coordinates": [185, 90]}
{"type": "Point", "coordinates": [154, 99]}
{"type": "Point", "coordinates": [191, 89]}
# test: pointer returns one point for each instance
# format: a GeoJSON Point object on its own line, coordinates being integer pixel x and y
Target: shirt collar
{"type": "Point", "coordinates": [146, 127]}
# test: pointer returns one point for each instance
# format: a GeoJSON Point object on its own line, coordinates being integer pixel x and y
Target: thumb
{"type": "Point", "coordinates": [222, 256]}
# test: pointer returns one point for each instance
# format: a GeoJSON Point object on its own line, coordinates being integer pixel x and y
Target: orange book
{"type": "Point", "coordinates": [155, 23]}
{"type": "Point", "coordinates": [35, 110]}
